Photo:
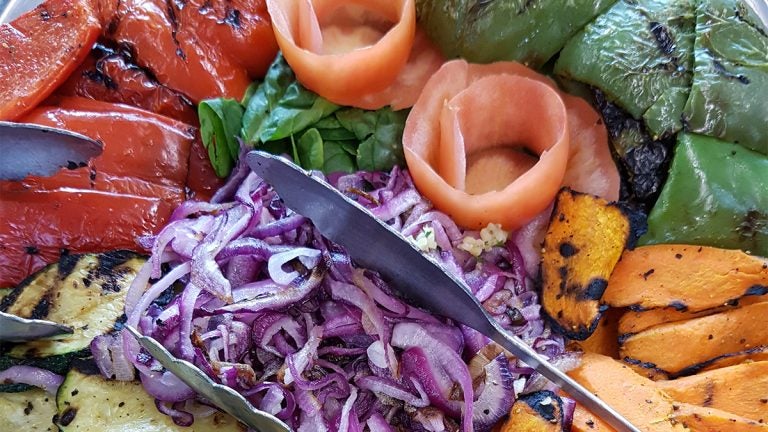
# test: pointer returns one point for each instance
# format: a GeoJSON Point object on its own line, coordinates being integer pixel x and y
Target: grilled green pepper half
{"type": "Point", "coordinates": [715, 196]}
{"type": "Point", "coordinates": [528, 31]}
{"type": "Point", "coordinates": [729, 97]}
{"type": "Point", "coordinates": [640, 55]}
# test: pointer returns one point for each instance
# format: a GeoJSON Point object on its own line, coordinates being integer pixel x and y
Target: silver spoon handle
{"type": "Point", "coordinates": [575, 390]}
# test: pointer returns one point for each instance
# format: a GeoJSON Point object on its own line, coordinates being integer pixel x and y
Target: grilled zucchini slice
{"type": "Point", "coordinates": [91, 403]}
{"type": "Point", "coordinates": [86, 292]}
{"type": "Point", "coordinates": [31, 410]}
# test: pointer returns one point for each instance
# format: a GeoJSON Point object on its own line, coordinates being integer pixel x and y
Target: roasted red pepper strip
{"type": "Point", "coordinates": [110, 75]}
{"type": "Point", "coordinates": [40, 49]}
{"type": "Point", "coordinates": [144, 154]}
{"type": "Point", "coordinates": [189, 51]}
{"type": "Point", "coordinates": [38, 225]}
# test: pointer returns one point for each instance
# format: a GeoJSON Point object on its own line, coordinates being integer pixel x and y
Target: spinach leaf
{"type": "Point", "coordinates": [265, 97]}
{"type": "Point", "coordinates": [308, 150]}
{"type": "Point", "coordinates": [337, 159]}
{"type": "Point", "coordinates": [220, 121]}
{"type": "Point", "coordinates": [281, 107]}
{"type": "Point", "coordinates": [281, 116]}
{"type": "Point", "coordinates": [296, 110]}
{"type": "Point", "coordinates": [381, 136]}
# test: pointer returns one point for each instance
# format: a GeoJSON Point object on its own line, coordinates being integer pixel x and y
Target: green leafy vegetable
{"type": "Point", "coordinates": [381, 134]}
{"type": "Point", "coordinates": [220, 121]}
{"type": "Point", "coordinates": [308, 150]}
{"type": "Point", "coordinates": [280, 116]}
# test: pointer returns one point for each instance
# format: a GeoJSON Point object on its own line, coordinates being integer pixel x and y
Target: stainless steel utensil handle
{"type": "Point", "coordinates": [575, 390]}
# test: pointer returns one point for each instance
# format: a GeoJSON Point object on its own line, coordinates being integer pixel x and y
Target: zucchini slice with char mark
{"type": "Point", "coordinates": [29, 299]}
{"type": "Point", "coordinates": [86, 292]}
{"type": "Point", "coordinates": [31, 410]}
{"type": "Point", "coordinates": [91, 403]}
{"type": "Point", "coordinates": [585, 238]}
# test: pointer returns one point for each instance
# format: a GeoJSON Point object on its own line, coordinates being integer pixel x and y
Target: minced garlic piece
{"type": "Point", "coordinates": [425, 239]}
{"type": "Point", "coordinates": [490, 236]}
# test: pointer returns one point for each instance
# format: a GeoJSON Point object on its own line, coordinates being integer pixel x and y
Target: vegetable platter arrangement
{"type": "Point", "coordinates": [594, 171]}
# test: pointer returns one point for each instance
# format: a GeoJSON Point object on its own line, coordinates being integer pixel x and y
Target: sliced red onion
{"type": "Point", "coordinates": [110, 358]}
{"type": "Point", "coordinates": [33, 376]}
{"type": "Point", "coordinates": [377, 423]}
{"type": "Point", "coordinates": [390, 388]}
{"type": "Point", "coordinates": [311, 412]}
{"type": "Point", "coordinates": [497, 395]}
{"type": "Point", "coordinates": [569, 407]}
{"type": "Point", "coordinates": [308, 257]}
{"type": "Point", "coordinates": [304, 357]}
{"type": "Point", "coordinates": [330, 332]}
{"type": "Point", "coordinates": [179, 417]}
{"type": "Point", "coordinates": [166, 387]}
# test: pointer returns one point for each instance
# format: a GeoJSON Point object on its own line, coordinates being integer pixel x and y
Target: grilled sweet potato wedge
{"type": "Point", "coordinates": [541, 411]}
{"type": "Point", "coordinates": [637, 321]}
{"type": "Point", "coordinates": [585, 238]}
{"type": "Point", "coordinates": [740, 389]}
{"type": "Point", "coordinates": [682, 347]}
{"type": "Point", "coordinates": [635, 397]}
{"type": "Point", "coordinates": [703, 419]}
{"type": "Point", "coordinates": [684, 277]}
{"type": "Point", "coordinates": [605, 339]}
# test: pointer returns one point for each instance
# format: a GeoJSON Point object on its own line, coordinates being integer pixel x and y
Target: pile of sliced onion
{"type": "Point", "coordinates": [264, 304]}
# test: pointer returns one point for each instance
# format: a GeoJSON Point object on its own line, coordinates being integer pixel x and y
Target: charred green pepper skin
{"type": "Point", "coordinates": [729, 97]}
{"type": "Point", "coordinates": [528, 31]}
{"type": "Point", "coordinates": [716, 195]}
{"type": "Point", "coordinates": [639, 53]}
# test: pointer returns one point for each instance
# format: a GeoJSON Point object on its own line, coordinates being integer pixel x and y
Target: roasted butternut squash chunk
{"type": "Point", "coordinates": [637, 321]}
{"type": "Point", "coordinates": [585, 239]}
{"type": "Point", "coordinates": [703, 419]}
{"type": "Point", "coordinates": [682, 347]}
{"type": "Point", "coordinates": [585, 421]}
{"type": "Point", "coordinates": [635, 397]}
{"type": "Point", "coordinates": [740, 389]}
{"type": "Point", "coordinates": [684, 277]}
{"type": "Point", "coordinates": [605, 339]}
{"type": "Point", "coordinates": [541, 411]}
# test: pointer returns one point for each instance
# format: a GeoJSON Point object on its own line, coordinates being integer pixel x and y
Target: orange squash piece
{"type": "Point", "coordinates": [740, 389]}
{"type": "Point", "coordinates": [682, 347]}
{"type": "Point", "coordinates": [703, 419]}
{"type": "Point", "coordinates": [585, 239]}
{"type": "Point", "coordinates": [605, 339]}
{"type": "Point", "coordinates": [637, 321]}
{"type": "Point", "coordinates": [541, 411]}
{"type": "Point", "coordinates": [636, 398]}
{"type": "Point", "coordinates": [585, 421]}
{"type": "Point", "coordinates": [684, 277]}
{"type": "Point", "coordinates": [40, 49]}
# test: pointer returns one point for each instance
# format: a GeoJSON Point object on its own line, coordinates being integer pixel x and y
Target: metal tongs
{"type": "Point", "coordinates": [29, 149]}
{"type": "Point", "coordinates": [415, 275]}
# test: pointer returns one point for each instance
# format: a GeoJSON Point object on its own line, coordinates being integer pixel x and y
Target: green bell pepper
{"type": "Point", "coordinates": [639, 53]}
{"type": "Point", "coordinates": [729, 97]}
{"type": "Point", "coordinates": [715, 196]}
{"type": "Point", "coordinates": [484, 31]}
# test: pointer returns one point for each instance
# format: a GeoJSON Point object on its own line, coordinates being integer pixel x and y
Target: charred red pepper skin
{"type": "Point", "coordinates": [128, 191]}
{"type": "Point", "coordinates": [38, 225]}
{"type": "Point", "coordinates": [110, 75]}
{"type": "Point", "coordinates": [198, 48]}
{"type": "Point", "coordinates": [144, 154]}
{"type": "Point", "coordinates": [40, 49]}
